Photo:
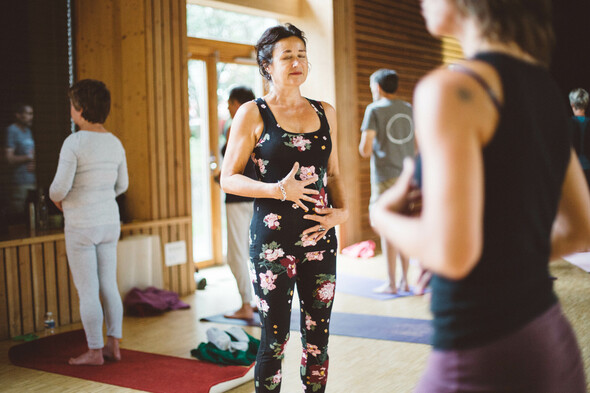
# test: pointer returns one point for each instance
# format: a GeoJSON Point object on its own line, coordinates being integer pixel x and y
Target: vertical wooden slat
{"type": "Point", "coordinates": [51, 290]}
{"type": "Point", "coordinates": [215, 192]}
{"type": "Point", "coordinates": [26, 289]}
{"type": "Point", "coordinates": [176, 270]}
{"type": "Point", "coordinates": [184, 286]}
{"type": "Point", "coordinates": [151, 106]}
{"type": "Point", "coordinates": [163, 233]}
{"type": "Point", "coordinates": [4, 320]}
{"type": "Point", "coordinates": [12, 291]}
{"type": "Point", "coordinates": [345, 79]}
{"type": "Point", "coordinates": [185, 151]}
{"type": "Point", "coordinates": [178, 57]}
{"type": "Point", "coordinates": [160, 102]}
{"type": "Point", "coordinates": [168, 91]}
{"type": "Point", "coordinates": [63, 294]}
{"type": "Point", "coordinates": [39, 290]}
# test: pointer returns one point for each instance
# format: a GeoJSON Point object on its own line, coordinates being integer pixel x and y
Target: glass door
{"type": "Point", "coordinates": [213, 68]}
{"type": "Point", "coordinates": [228, 76]}
{"type": "Point", "coordinates": [199, 161]}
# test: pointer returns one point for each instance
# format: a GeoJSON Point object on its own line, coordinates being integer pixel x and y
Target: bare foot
{"type": "Point", "coordinates": [403, 285]}
{"type": "Point", "coordinates": [111, 350]}
{"type": "Point", "coordinates": [245, 312]}
{"type": "Point", "coordinates": [423, 282]}
{"type": "Point", "coordinates": [386, 289]}
{"type": "Point", "coordinates": [91, 358]}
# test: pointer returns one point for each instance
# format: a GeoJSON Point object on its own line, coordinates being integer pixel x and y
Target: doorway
{"type": "Point", "coordinates": [213, 68]}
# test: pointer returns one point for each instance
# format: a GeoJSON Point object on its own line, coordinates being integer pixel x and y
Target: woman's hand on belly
{"type": "Point", "coordinates": [327, 218]}
{"type": "Point", "coordinates": [295, 190]}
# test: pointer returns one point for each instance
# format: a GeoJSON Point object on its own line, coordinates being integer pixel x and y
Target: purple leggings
{"type": "Point", "coordinates": [541, 357]}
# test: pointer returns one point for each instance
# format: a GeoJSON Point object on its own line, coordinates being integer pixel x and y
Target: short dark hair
{"type": "Point", "coordinates": [266, 44]}
{"type": "Point", "coordinates": [386, 79]}
{"type": "Point", "coordinates": [93, 97]}
{"type": "Point", "coordinates": [19, 107]}
{"type": "Point", "coordinates": [526, 22]}
{"type": "Point", "coordinates": [241, 94]}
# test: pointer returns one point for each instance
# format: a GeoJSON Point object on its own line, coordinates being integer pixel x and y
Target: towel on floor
{"type": "Point", "coordinates": [210, 352]}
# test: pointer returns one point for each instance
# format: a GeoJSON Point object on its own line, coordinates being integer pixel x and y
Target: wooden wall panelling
{"type": "Point", "coordinates": [63, 316]}
{"type": "Point", "coordinates": [26, 289]}
{"type": "Point", "coordinates": [39, 290]}
{"type": "Point", "coordinates": [163, 233]}
{"type": "Point", "coordinates": [134, 129]}
{"type": "Point", "coordinates": [388, 34]}
{"type": "Point", "coordinates": [50, 274]}
{"type": "Point", "coordinates": [4, 318]}
{"type": "Point", "coordinates": [12, 292]}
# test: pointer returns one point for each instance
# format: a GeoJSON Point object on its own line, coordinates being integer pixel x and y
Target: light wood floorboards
{"type": "Point", "coordinates": [356, 365]}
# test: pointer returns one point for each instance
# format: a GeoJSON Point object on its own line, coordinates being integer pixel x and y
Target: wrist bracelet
{"type": "Point", "coordinates": [283, 192]}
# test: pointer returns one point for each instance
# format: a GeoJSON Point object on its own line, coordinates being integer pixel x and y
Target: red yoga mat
{"type": "Point", "coordinates": [137, 370]}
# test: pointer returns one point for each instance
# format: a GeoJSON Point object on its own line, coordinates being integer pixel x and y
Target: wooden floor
{"type": "Point", "coordinates": [356, 365]}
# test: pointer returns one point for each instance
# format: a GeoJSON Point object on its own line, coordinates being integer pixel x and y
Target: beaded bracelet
{"type": "Point", "coordinates": [283, 192]}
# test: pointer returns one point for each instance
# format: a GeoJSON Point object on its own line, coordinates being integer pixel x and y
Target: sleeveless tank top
{"type": "Point", "coordinates": [524, 168]}
{"type": "Point", "coordinates": [277, 225]}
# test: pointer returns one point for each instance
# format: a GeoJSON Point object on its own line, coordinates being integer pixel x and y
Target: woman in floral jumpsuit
{"type": "Point", "coordinates": [299, 201]}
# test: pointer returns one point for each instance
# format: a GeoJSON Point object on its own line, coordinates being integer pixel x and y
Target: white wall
{"type": "Point", "coordinates": [316, 19]}
{"type": "Point", "coordinates": [317, 22]}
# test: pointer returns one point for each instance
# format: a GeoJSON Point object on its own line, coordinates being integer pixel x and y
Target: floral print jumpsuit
{"type": "Point", "coordinates": [282, 258]}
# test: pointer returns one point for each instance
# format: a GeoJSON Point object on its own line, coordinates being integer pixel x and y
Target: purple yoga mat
{"type": "Point", "coordinates": [363, 286]}
{"type": "Point", "coordinates": [377, 327]}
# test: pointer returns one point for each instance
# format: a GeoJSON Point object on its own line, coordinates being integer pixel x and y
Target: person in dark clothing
{"type": "Point", "coordinates": [299, 201]}
{"type": "Point", "coordinates": [502, 195]}
{"type": "Point", "coordinates": [581, 127]}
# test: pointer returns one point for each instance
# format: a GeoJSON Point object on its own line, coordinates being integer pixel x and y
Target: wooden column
{"type": "Point", "coordinates": [139, 49]}
{"type": "Point", "coordinates": [348, 131]}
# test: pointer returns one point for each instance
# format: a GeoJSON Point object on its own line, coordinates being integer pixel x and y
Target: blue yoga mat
{"type": "Point", "coordinates": [377, 327]}
{"type": "Point", "coordinates": [364, 286]}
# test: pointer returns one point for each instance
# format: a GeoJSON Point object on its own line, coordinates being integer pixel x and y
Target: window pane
{"type": "Point", "coordinates": [221, 25]}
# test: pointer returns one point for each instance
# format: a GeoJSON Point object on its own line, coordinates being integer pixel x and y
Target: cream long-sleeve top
{"type": "Point", "coordinates": [91, 173]}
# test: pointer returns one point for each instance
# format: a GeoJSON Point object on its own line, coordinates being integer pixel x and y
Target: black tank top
{"type": "Point", "coordinates": [524, 168]}
{"type": "Point", "coordinates": [278, 224]}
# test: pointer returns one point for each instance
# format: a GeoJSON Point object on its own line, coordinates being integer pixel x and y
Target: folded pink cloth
{"type": "Point", "coordinates": [364, 249]}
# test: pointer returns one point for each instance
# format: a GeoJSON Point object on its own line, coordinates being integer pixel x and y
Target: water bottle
{"type": "Point", "coordinates": [49, 323]}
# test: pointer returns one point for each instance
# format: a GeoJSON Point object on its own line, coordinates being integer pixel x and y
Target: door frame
{"type": "Point", "coordinates": [212, 52]}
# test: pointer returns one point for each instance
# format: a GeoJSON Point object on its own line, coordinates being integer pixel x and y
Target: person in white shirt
{"type": "Point", "coordinates": [91, 173]}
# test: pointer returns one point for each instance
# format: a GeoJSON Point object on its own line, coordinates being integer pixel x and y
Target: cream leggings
{"type": "Point", "coordinates": [92, 256]}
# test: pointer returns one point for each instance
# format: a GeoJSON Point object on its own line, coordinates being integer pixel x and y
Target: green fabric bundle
{"type": "Point", "coordinates": [209, 352]}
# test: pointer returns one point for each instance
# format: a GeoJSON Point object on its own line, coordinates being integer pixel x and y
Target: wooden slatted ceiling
{"type": "Point", "coordinates": [391, 34]}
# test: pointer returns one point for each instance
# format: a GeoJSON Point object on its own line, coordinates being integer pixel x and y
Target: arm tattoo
{"type": "Point", "coordinates": [464, 94]}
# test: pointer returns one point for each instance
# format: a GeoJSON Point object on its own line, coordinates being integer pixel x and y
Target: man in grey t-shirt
{"type": "Point", "coordinates": [387, 137]}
